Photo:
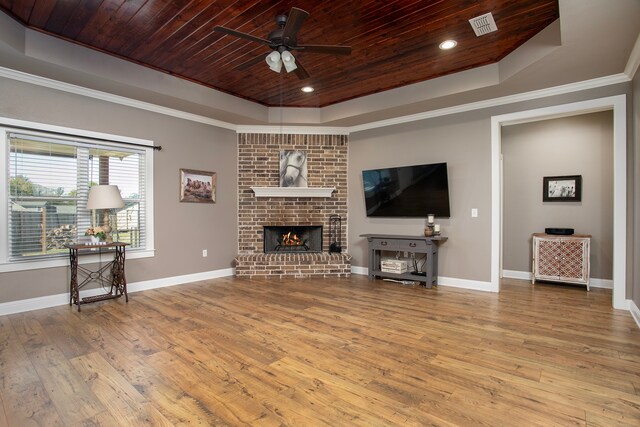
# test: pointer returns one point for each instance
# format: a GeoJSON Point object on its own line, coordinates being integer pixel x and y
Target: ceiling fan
{"type": "Point", "coordinates": [283, 40]}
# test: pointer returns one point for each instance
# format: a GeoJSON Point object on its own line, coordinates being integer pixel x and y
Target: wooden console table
{"type": "Point", "coordinates": [397, 243]}
{"type": "Point", "coordinates": [112, 272]}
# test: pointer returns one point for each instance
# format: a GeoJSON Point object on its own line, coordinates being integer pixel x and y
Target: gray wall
{"type": "Point", "coordinates": [464, 142]}
{"type": "Point", "coordinates": [182, 230]}
{"type": "Point", "coordinates": [459, 143]}
{"type": "Point", "coordinates": [577, 145]}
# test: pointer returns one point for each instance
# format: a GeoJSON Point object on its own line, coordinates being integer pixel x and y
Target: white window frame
{"type": "Point", "coordinates": [8, 125]}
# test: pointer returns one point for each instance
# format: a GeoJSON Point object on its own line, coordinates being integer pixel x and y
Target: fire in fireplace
{"type": "Point", "coordinates": [291, 239]}
{"type": "Point", "coordinates": [295, 238]}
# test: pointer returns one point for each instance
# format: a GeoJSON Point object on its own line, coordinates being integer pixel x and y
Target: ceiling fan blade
{"type": "Point", "coordinates": [329, 49]}
{"type": "Point", "coordinates": [301, 72]}
{"type": "Point", "coordinates": [250, 63]}
{"type": "Point", "coordinates": [240, 35]}
{"type": "Point", "coordinates": [294, 22]}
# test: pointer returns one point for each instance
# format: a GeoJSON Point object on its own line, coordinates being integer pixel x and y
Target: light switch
{"type": "Point", "coordinates": [474, 213]}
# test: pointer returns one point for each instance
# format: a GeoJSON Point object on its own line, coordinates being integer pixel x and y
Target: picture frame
{"type": "Point", "coordinates": [197, 186]}
{"type": "Point", "coordinates": [293, 168]}
{"type": "Point", "coordinates": [566, 188]}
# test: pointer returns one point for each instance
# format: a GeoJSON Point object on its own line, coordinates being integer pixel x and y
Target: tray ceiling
{"type": "Point", "coordinates": [395, 43]}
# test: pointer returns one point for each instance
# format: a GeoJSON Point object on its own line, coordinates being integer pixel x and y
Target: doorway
{"type": "Point", "coordinates": [618, 105]}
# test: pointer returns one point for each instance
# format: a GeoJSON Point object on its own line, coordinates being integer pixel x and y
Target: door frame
{"type": "Point", "coordinates": [618, 105]}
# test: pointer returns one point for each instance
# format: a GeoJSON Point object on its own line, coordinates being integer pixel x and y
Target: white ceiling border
{"type": "Point", "coordinates": [104, 96]}
{"type": "Point", "coordinates": [496, 102]}
{"type": "Point", "coordinates": [293, 130]}
{"type": "Point", "coordinates": [319, 129]}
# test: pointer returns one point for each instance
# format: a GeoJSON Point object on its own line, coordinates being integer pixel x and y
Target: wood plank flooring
{"type": "Point", "coordinates": [335, 352]}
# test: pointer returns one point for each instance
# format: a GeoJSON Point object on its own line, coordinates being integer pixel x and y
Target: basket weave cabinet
{"type": "Point", "coordinates": [561, 258]}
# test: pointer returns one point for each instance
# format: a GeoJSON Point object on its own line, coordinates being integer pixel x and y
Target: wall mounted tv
{"type": "Point", "coordinates": [407, 191]}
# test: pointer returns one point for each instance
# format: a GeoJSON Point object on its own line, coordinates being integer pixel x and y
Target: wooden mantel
{"type": "Point", "coordinates": [293, 191]}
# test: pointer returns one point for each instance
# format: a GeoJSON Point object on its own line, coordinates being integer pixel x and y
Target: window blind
{"type": "Point", "coordinates": [49, 181]}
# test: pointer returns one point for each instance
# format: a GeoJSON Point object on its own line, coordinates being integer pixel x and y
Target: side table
{"type": "Point", "coordinates": [112, 272]}
{"type": "Point", "coordinates": [561, 258]}
{"type": "Point", "coordinates": [379, 243]}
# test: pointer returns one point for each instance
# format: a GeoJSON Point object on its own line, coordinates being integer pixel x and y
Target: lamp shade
{"type": "Point", "coordinates": [274, 62]}
{"type": "Point", "coordinates": [104, 197]}
{"type": "Point", "coordinates": [289, 61]}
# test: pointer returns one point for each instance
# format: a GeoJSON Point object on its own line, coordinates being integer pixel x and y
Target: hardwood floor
{"type": "Point", "coordinates": [332, 352]}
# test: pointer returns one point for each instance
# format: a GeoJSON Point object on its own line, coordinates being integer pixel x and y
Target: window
{"type": "Point", "coordinates": [49, 176]}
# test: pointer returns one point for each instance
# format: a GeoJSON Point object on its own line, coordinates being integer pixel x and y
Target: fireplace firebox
{"type": "Point", "coordinates": [292, 239]}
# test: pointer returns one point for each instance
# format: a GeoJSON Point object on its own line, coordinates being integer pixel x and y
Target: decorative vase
{"type": "Point", "coordinates": [428, 231]}
{"type": "Point", "coordinates": [94, 240]}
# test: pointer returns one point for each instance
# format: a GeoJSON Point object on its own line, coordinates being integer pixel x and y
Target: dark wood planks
{"type": "Point", "coordinates": [395, 43]}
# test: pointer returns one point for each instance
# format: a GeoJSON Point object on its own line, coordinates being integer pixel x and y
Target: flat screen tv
{"type": "Point", "coordinates": [407, 191]}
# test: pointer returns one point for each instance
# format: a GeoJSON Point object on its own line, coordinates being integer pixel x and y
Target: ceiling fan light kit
{"type": "Point", "coordinates": [284, 39]}
{"type": "Point", "coordinates": [289, 61]}
{"type": "Point", "coordinates": [274, 62]}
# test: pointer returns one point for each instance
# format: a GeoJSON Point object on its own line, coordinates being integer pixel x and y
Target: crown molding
{"type": "Point", "coordinates": [293, 130]}
{"type": "Point", "coordinates": [104, 96]}
{"type": "Point", "coordinates": [325, 130]}
{"type": "Point", "coordinates": [496, 102]}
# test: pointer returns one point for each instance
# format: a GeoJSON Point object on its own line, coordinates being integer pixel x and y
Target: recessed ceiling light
{"type": "Point", "coordinates": [448, 44]}
{"type": "Point", "coordinates": [307, 89]}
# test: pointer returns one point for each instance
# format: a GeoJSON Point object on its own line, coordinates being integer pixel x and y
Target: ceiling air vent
{"type": "Point", "coordinates": [483, 24]}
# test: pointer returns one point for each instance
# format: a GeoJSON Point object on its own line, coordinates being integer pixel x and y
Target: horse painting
{"type": "Point", "coordinates": [197, 186]}
{"type": "Point", "coordinates": [293, 168]}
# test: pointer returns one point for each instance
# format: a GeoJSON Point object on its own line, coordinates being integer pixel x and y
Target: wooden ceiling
{"type": "Point", "coordinates": [395, 42]}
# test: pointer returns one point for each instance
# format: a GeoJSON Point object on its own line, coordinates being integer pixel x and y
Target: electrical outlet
{"type": "Point", "coordinates": [204, 253]}
{"type": "Point", "coordinates": [474, 213]}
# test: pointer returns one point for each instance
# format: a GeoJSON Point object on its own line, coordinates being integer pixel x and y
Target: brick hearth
{"type": "Point", "coordinates": [298, 265]}
{"type": "Point", "coordinates": [258, 166]}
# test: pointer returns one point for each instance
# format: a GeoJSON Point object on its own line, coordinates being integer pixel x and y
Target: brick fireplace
{"type": "Point", "coordinates": [258, 166]}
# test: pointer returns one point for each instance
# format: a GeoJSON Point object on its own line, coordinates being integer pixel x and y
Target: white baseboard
{"type": "Point", "coordinates": [475, 285]}
{"type": "Point", "coordinates": [635, 312]}
{"type": "Point", "coordinates": [526, 275]}
{"type": "Point", "coordinates": [359, 270]}
{"type": "Point", "coordinates": [601, 283]}
{"type": "Point", "coordinates": [63, 299]}
{"type": "Point", "coordinates": [512, 274]}
{"type": "Point", "coordinates": [179, 280]}
{"type": "Point", "coordinates": [445, 281]}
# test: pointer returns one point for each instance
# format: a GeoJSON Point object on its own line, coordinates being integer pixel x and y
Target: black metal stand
{"type": "Point", "coordinates": [335, 233]}
{"type": "Point", "coordinates": [112, 273]}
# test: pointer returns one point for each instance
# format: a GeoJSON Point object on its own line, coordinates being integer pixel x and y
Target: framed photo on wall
{"type": "Point", "coordinates": [293, 168]}
{"type": "Point", "coordinates": [562, 188]}
{"type": "Point", "coordinates": [197, 186]}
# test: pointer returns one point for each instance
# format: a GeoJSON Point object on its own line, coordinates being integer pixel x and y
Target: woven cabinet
{"type": "Point", "coordinates": [561, 258]}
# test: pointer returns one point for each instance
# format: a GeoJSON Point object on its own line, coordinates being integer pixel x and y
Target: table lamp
{"type": "Point", "coordinates": [105, 197]}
